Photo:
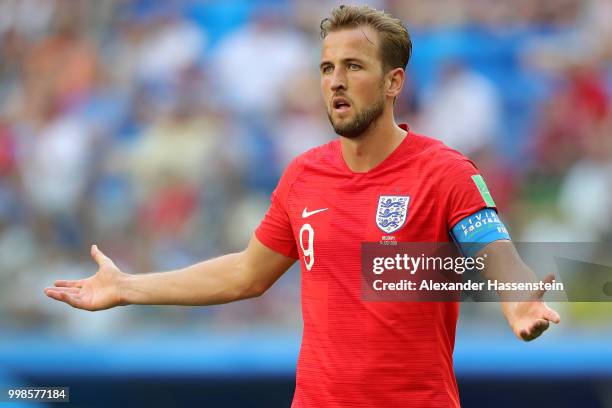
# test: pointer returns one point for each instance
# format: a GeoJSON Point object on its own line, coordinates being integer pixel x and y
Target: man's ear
{"type": "Point", "coordinates": [395, 81]}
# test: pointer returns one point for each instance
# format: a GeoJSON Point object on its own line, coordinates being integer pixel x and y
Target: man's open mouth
{"type": "Point", "coordinates": [340, 104]}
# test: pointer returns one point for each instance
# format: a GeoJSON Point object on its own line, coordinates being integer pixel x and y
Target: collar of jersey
{"type": "Point", "coordinates": [399, 152]}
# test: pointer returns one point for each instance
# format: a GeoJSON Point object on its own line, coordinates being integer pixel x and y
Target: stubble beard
{"type": "Point", "coordinates": [362, 121]}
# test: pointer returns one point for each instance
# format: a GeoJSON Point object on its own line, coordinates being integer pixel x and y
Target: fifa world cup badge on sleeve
{"type": "Point", "coordinates": [392, 212]}
{"type": "Point", "coordinates": [484, 190]}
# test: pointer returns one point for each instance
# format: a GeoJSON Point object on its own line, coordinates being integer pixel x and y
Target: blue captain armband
{"type": "Point", "coordinates": [476, 231]}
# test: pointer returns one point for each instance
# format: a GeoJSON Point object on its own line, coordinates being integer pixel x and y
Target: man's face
{"type": "Point", "coordinates": [352, 80]}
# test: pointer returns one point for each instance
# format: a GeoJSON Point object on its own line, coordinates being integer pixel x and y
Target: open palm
{"type": "Point", "coordinates": [98, 292]}
{"type": "Point", "coordinates": [529, 319]}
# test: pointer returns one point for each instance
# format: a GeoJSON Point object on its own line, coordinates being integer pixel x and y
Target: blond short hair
{"type": "Point", "coordinates": [395, 43]}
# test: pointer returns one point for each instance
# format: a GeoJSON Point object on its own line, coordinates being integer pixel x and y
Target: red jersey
{"type": "Point", "coordinates": [369, 354]}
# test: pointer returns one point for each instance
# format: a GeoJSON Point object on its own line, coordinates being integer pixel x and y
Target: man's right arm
{"type": "Point", "coordinates": [224, 279]}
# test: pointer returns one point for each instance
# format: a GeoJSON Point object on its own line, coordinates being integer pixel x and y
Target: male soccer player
{"type": "Point", "coordinates": [331, 199]}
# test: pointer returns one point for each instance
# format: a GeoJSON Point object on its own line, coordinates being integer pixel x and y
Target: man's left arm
{"type": "Point", "coordinates": [483, 235]}
{"type": "Point", "coordinates": [476, 228]}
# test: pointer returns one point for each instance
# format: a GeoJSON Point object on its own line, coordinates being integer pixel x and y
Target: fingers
{"type": "Point", "coordinates": [552, 315]}
{"type": "Point", "coordinates": [535, 330]}
{"type": "Point", "coordinates": [540, 326]}
{"type": "Point", "coordinates": [99, 257]}
{"type": "Point", "coordinates": [69, 283]}
{"type": "Point", "coordinates": [547, 279]}
{"type": "Point", "coordinates": [63, 289]}
{"type": "Point", "coordinates": [72, 299]}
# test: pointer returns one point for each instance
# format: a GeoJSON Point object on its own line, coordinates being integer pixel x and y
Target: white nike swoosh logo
{"type": "Point", "coordinates": [306, 213]}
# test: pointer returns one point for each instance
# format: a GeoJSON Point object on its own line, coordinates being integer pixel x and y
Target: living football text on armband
{"type": "Point", "coordinates": [475, 231]}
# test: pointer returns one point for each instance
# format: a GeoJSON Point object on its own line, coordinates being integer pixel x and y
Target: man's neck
{"type": "Point", "coordinates": [367, 151]}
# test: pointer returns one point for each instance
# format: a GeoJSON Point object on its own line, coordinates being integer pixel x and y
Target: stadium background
{"type": "Point", "coordinates": [158, 130]}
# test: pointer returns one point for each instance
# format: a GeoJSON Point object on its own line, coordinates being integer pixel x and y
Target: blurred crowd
{"type": "Point", "coordinates": [158, 129]}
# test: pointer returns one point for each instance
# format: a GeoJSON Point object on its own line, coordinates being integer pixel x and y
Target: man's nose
{"type": "Point", "coordinates": [338, 80]}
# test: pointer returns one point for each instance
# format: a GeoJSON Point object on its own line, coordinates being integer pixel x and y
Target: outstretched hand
{"type": "Point", "coordinates": [529, 319]}
{"type": "Point", "coordinates": [98, 292]}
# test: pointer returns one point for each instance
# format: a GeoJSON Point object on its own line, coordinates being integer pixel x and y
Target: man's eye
{"type": "Point", "coordinates": [353, 67]}
{"type": "Point", "coordinates": [327, 69]}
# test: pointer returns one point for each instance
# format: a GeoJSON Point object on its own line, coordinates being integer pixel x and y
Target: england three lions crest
{"type": "Point", "coordinates": [392, 212]}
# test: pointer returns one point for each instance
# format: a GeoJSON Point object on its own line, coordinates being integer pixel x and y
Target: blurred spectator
{"type": "Point", "coordinates": [591, 177]}
{"type": "Point", "coordinates": [62, 66]}
{"type": "Point", "coordinates": [170, 46]}
{"type": "Point", "coordinates": [462, 109]}
{"type": "Point", "coordinates": [257, 62]}
{"type": "Point", "coordinates": [302, 124]}
{"type": "Point", "coordinates": [570, 118]}
{"type": "Point", "coordinates": [54, 152]}
{"type": "Point", "coordinates": [181, 143]}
